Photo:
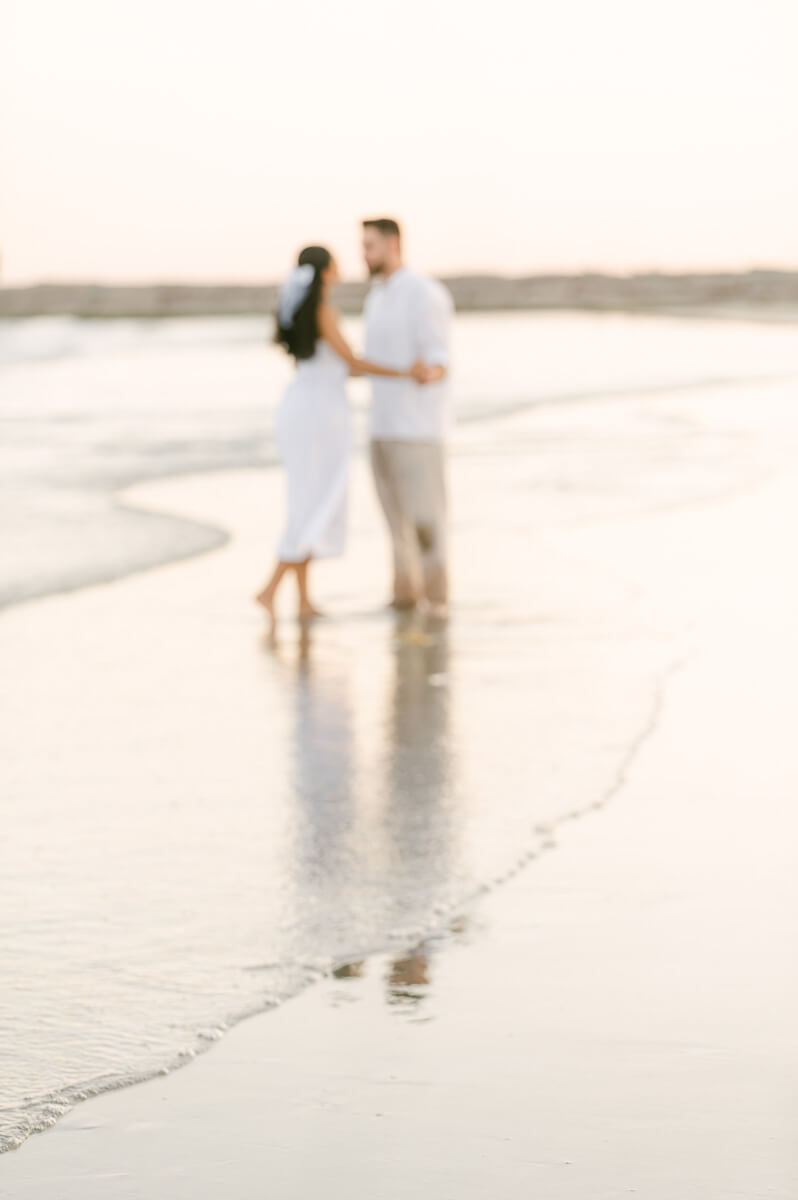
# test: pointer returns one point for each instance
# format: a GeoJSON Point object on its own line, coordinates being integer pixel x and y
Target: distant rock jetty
{"type": "Point", "coordinates": [764, 292]}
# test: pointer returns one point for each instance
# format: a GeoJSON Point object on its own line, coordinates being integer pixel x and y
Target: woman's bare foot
{"type": "Point", "coordinates": [308, 612]}
{"type": "Point", "coordinates": [406, 604]}
{"type": "Point", "coordinates": [266, 600]}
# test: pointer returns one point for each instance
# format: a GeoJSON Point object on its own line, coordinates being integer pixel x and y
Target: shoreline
{"type": "Point", "coordinates": [215, 537]}
{"type": "Point", "coordinates": [596, 1024]}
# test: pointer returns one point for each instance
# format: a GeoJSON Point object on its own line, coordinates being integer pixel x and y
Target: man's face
{"type": "Point", "coordinates": [375, 250]}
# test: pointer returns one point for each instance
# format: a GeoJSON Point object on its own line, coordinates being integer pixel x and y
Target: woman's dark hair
{"type": "Point", "coordinates": [300, 337]}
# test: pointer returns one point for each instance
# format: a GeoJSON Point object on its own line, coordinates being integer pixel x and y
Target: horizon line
{"type": "Point", "coordinates": [584, 273]}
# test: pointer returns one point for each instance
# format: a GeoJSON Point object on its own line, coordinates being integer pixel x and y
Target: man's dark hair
{"type": "Point", "coordinates": [386, 226]}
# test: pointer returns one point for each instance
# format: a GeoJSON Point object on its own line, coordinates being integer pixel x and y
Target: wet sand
{"type": "Point", "coordinates": [616, 1015]}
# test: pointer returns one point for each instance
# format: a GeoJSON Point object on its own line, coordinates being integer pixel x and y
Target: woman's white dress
{"type": "Point", "coordinates": [314, 438]}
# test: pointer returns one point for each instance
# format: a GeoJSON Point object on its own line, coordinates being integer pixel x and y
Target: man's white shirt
{"type": "Point", "coordinates": [408, 317]}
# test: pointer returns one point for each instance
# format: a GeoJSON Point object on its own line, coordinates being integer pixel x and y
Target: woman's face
{"type": "Point", "coordinates": [330, 274]}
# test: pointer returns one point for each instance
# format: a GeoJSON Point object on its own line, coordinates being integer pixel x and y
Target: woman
{"type": "Point", "coordinates": [314, 428]}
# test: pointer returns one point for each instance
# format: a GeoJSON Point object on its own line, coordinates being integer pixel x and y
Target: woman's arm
{"type": "Point", "coordinates": [431, 374]}
{"type": "Point", "coordinates": [331, 332]}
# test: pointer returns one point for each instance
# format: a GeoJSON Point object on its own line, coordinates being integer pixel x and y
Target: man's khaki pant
{"type": "Point", "coordinates": [411, 485]}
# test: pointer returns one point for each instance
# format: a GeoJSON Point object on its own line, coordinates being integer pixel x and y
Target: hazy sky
{"type": "Point", "coordinates": [171, 139]}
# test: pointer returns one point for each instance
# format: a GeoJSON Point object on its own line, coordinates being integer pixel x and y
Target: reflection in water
{"type": "Point", "coordinates": [322, 833]}
{"type": "Point", "coordinates": [353, 970]}
{"type": "Point", "coordinates": [409, 976]}
{"type": "Point", "coordinates": [374, 826]}
{"type": "Point", "coordinates": [408, 979]}
{"type": "Point", "coordinates": [421, 809]}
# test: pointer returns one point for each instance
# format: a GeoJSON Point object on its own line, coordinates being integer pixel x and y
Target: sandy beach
{"type": "Point", "coordinates": [593, 1002]}
{"type": "Point", "coordinates": [398, 594]}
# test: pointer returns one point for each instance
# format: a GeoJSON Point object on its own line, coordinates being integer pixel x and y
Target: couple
{"type": "Point", "coordinates": [407, 326]}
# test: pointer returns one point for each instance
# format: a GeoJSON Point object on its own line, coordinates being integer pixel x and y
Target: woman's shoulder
{"type": "Point", "coordinates": [327, 315]}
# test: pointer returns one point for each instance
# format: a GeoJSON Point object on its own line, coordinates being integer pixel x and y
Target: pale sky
{"type": "Point", "coordinates": [164, 139]}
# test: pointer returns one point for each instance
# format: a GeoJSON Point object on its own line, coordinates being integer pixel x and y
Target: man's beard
{"type": "Point", "coordinates": [377, 269]}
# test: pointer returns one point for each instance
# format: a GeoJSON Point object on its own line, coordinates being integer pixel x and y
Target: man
{"type": "Point", "coordinates": [408, 319]}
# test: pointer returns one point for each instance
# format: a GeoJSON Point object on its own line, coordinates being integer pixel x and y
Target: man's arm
{"type": "Point", "coordinates": [433, 334]}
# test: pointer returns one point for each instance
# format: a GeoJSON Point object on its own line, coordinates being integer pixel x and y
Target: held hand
{"type": "Point", "coordinates": [420, 372]}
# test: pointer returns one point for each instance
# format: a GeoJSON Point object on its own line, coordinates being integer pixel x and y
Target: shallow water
{"type": "Point", "coordinates": [88, 407]}
{"type": "Point", "coordinates": [196, 825]}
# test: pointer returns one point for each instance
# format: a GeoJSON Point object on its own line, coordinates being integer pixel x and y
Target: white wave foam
{"type": "Point", "coordinates": [43, 339]}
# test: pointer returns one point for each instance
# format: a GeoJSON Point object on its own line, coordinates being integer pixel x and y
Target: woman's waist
{"type": "Point", "coordinates": [323, 364]}
{"type": "Point", "coordinates": [304, 395]}
{"type": "Point", "coordinates": [306, 389]}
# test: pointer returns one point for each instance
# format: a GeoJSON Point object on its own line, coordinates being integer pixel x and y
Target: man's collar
{"type": "Point", "coordinates": [387, 280]}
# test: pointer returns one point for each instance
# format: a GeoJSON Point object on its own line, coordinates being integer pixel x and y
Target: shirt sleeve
{"type": "Point", "coordinates": [433, 325]}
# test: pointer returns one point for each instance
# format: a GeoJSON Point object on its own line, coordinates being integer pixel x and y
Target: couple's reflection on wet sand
{"type": "Point", "coordinates": [375, 821]}
{"type": "Point", "coordinates": [408, 976]}
{"type": "Point", "coordinates": [421, 810]}
{"type": "Point", "coordinates": [322, 759]}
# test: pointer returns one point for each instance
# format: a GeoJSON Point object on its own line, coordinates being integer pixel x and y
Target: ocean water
{"type": "Point", "coordinates": [174, 858]}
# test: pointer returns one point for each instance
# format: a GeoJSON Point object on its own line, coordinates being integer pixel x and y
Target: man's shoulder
{"type": "Point", "coordinates": [370, 300]}
{"type": "Point", "coordinates": [431, 288]}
